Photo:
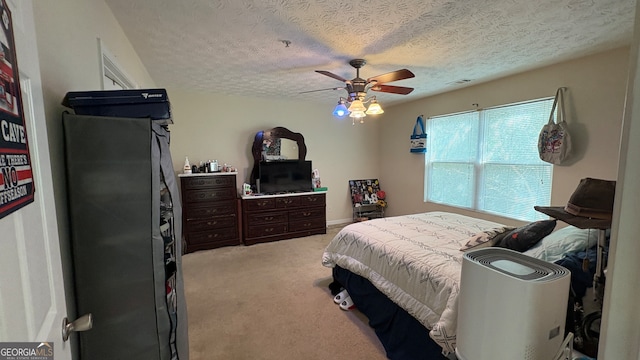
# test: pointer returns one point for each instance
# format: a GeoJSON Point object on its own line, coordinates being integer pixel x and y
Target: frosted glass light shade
{"type": "Point", "coordinates": [374, 108]}
{"type": "Point", "coordinates": [357, 114]}
{"type": "Point", "coordinates": [357, 105]}
{"type": "Point", "coordinates": [341, 110]}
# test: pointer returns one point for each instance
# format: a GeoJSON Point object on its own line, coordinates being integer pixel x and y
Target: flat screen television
{"type": "Point", "coordinates": [285, 176]}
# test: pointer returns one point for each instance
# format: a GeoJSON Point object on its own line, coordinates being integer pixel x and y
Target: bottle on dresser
{"type": "Point", "coordinates": [187, 166]}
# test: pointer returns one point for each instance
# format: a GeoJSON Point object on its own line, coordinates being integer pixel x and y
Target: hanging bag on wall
{"type": "Point", "coordinates": [419, 137]}
{"type": "Point", "coordinates": [554, 142]}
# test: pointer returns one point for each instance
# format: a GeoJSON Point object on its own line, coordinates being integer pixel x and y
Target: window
{"type": "Point", "coordinates": [487, 160]}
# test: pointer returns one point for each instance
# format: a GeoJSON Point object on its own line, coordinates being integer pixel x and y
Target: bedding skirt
{"type": "Point", "coordinates": [402, 336]}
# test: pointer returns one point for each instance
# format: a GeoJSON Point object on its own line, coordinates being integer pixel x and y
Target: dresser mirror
{"type": "Point", "coordinates": [279, 149]}
{"type": "Point", "coordinates": [275, 144]}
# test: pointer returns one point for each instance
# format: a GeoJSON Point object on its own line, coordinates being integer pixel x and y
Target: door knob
{"type": "Point", "coordinates": [83, 323]}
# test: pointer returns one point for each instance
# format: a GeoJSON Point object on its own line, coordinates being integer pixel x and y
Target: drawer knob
{"type": "Point", "coordinates": [269, 218]}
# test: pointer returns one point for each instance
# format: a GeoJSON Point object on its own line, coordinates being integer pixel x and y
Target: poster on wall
{"type": "Point", "coordinates": [16, 178]}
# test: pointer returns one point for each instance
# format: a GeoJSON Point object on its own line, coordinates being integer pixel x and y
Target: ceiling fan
{"type": "Point", "coordinates": [357, 87]}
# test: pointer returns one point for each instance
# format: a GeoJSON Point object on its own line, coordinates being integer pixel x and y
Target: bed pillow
{"type": "Point", "coordinates": [485, 239]}
{"type": "Point", "coordinates": [523, 238]}
{"type": "Point", "coordinates": [563, 241]}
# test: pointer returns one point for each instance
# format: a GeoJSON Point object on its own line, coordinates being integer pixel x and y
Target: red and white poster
{"type": "Point", "coordinates": [16, 177]}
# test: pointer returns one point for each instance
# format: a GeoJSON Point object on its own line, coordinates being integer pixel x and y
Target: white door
{"type": "Point", "coordinates": [32, 299]}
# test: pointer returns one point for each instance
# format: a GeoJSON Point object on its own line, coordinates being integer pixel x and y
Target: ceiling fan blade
{"type": "Point", "coordinates": [392, 76]}
{"type": "Point", "coordinates": [333, 88]}
{"type": "Point", "coordinates": [332, 75]}
{"type": "Point", "coordinates": [392, 89]}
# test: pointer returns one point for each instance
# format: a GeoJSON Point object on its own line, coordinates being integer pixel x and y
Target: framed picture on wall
{"type": "Point", "coordinates": [16, 176]}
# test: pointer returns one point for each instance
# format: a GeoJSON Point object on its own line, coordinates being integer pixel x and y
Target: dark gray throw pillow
{"type": "Point", "coordinates": [524, 237]}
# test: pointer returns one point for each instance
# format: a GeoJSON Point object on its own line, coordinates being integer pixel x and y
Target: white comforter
{"type": "Point", "coordinates": [415, 260]}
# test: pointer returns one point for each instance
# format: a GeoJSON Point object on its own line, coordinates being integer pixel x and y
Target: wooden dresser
{"type": "Point", "coordinates": [277, 217]}
{"type": "Point", "coordinates": [210, 211]}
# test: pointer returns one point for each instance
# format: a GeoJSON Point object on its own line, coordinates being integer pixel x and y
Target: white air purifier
{"type": "Point", "coordinates": [511, 306]}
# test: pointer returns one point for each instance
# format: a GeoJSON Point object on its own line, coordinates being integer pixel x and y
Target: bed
{"type": "Point", "coordinates": [412, 265]}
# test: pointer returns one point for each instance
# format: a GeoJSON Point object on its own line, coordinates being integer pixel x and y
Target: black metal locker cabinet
{"type": "Point", "coordinates": [125, 226]}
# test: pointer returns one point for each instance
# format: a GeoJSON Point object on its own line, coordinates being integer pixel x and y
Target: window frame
{"type": "Point", "coordinates": [110, 70]}
{"type": "Point", "coordinates": [479, 164]}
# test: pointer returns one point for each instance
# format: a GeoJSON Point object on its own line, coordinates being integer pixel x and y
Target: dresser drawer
{"type": "Point", "coordinates": [267, 218]}
{"type": "Point", "coordinates": [199, 211]}
{"type": "Point", "coordinates": [266, 230]}
{"type": "Point", "coordinates": [259, 204]}
{"type": "Point", "coordinates": [287, 202]}
{"type": "Point", "coordinates": [211, 223]}
{"type": "Point", "coordinates": [307, 224]}
{"type": "Point", "coordinates": [206, 195]}
{"type": "Point", "coordinates": [306, 213]}
{"type": "Point", "coordinates": [313, 200]}
{"type": "Point", "coordinates": [212, 236]}
{"type": "Point", "coordinates": [202, 182]}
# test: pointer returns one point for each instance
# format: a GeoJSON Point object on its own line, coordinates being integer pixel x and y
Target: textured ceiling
{"type": "Point", "coordinates": [237, 46]}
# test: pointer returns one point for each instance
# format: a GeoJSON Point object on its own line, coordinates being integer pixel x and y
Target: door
{"type": "Point", "coordinates": [32, 298]}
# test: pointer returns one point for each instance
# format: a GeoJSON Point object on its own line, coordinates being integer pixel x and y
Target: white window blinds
{"type": "Point", "coordinates": [487, 160]}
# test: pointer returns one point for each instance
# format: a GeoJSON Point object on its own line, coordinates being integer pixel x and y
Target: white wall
{"type": "Point", "coordinates": [595, 103]}
{"type": "Point", "coordinates": [67, 34]}
{"type": "Point", "coordinates": [221, 127]}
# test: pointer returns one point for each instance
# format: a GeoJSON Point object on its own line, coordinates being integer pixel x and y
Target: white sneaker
{"type": "Point", "coordinates": [341, 296]}
{"type": "Point", "coordinates": [347, 304]}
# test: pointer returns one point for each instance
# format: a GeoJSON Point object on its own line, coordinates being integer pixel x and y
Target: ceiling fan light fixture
{"type": "Point", "coordinates": [357, 114]}
{"type": "Point", "coordinates": [357, 89]}
{"type": "Point", "coordinates": [374, 108]}
{"type": "Point", "coordinates": [341, 110]}
{"type": "Point", "coordinates": [357, 106]}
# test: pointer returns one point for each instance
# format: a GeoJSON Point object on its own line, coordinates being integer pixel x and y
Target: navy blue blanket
{"type": "Point", "coordinates": [402, 336]}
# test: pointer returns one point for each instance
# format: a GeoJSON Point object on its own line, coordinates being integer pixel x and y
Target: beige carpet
{"type": "Point", "coordinates": [271, 301]}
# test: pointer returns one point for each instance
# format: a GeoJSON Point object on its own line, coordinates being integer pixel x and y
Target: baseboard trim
{"type": "Point", "coordinates": [339, 222]}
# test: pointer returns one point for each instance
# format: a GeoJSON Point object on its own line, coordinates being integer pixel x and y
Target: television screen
{"type": "Point", "coordinates": [285, 176]}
